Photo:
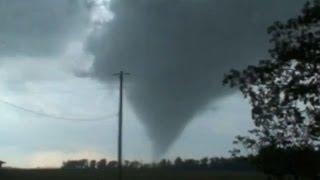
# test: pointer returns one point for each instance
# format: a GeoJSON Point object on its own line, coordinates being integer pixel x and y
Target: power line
{"type": "Point", "coordinates": [59, 91]}
{"type": "Point", "coordinates": [52, 116]}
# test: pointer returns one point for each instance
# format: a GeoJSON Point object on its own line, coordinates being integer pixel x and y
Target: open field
{"type": "Point", "coordinates": [57, 174]}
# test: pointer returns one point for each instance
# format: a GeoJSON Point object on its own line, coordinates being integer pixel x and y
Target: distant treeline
{"type": "Point", "coordinates": [216, 163]}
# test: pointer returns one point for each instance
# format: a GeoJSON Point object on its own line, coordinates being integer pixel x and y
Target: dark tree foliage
{"type": "Point", "coordinates": [102, 164]}
{"type": "Point", "coordinates": [239, 164]}
{"type": "Point", "coordinates": [284, 92]}
{"type": "Point", "coordinates": [93, 164]}
{"type": "Point", "coordinates": [76, 164]}
{"type": "Point", "coordinates": [293, 160]}
{"type": "Point", "coordinates": [178, 162]}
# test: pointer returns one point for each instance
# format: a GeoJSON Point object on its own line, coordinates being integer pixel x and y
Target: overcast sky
{"type": "Point", "coordinates": [57, 59]}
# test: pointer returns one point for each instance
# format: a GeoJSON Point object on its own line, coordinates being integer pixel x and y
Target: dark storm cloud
{"type": "Point", "coordinates": [39, 27]}
{"type": "Point", "coordinates": [178, 51]}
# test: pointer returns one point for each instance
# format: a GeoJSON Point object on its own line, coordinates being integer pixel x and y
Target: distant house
{"type": "Point", "coordinates": [2, 163]}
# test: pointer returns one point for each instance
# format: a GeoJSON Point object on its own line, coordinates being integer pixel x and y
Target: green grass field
{"type": "Point", "coordinates": [57, 174]}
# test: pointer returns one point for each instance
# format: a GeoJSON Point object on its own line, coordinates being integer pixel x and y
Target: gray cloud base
{"type": "Point", "coordinates": [40, 27]}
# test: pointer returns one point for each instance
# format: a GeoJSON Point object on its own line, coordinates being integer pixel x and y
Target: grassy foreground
{"type": "Point", "coordinates": [57, 174]}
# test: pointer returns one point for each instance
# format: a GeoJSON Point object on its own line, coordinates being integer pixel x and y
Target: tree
{"type": "Point", "coordinates": [126, 163]}
{"type": "Point", "coordinates": [76, 164]}
{"type": "Point", "coordinates": [135, 165]}
{"type": "Point", "coordinates": [92, 164]}
{"type": "Point", "coordinates": [284, 91]}
{"type": "Point", "coordinates": [204, 162]}
{"type": "Point", "coordinates": [190, 164]}
{"type": "Point", "coordinates": [164, 163]}
{"type": "Point", "coordinates": [102, 164]}
{"type": "Point", "coordinates": [112, 164]}
{"type": "Point", "coordinates": [178, 162]}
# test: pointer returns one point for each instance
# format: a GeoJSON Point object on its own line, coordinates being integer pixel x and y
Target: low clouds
{"type": "Point", "coordinates": [40, 28]}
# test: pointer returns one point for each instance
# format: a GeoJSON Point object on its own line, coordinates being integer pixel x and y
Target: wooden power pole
{"type": "Point", "coordinates": [120, 74]}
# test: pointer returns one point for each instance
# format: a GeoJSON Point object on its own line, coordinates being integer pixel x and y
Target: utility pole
{"type": "Point", "coordinates": [120, 74]}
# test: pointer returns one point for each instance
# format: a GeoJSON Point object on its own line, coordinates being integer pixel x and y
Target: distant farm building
{"type": "Point", "coordinates": [2, 163]}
